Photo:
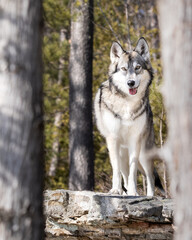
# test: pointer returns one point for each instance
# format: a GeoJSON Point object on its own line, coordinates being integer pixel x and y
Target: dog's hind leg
{"type": "Point", "coordinates": [147, 166]}
{"type": "Point", "coordinates": [113, 147]}
{"type": "Point", "coordinates": [124, 165]}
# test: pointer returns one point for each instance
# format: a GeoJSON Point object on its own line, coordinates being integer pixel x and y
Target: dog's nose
{"type": "Point", "coordinates": [131, 83]}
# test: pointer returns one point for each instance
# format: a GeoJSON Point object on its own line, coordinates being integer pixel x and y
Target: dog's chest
{"type": "Point", "coordinates": [131, 129]}
{"type": "Point", "coordinates": [123, 126]}
{"type": "Point", "coordinates": [122, 108]}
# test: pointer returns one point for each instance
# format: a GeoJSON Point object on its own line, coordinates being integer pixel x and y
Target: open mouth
{"type": "Point", "coordinates": [133, 91]}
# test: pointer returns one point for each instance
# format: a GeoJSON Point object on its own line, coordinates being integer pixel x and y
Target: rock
{"type": "Point", "coordinates": [88, 215]}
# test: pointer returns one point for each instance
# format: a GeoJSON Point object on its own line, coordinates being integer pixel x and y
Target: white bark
{"type": "Point", "coordinates": [21, 136]}
{"type": "Point", "coordinates": [176, 36]}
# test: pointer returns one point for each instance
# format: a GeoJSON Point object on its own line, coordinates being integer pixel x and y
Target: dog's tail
{"type": "Point", "coordinates": [158, 183]}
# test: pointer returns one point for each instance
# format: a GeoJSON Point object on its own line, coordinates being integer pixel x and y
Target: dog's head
{"type": "Point", "coordinates": [131, 71]}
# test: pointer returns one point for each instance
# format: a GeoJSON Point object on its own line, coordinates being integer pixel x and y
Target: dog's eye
{"type": "Point", "coordinates": [138, 67]}
{"type": "Point", "coordinates": [124, 69]}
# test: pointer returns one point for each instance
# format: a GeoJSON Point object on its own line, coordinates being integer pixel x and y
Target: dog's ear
{"type": "Point", "coordinates": [116, 52]}
{"type": "Point", "coordinates": [143, 49]}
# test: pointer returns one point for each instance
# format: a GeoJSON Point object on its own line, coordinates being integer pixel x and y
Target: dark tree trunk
{"type": "Point", "coordinates": [81, 175]}
{"type": "Point", "coordinates": [21, 128]}
{"type": "Point", "coordinates": [176, 35]}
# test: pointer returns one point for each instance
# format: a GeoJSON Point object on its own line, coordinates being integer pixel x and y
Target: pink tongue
{"type": "Point", "coordinates": [133, 91]}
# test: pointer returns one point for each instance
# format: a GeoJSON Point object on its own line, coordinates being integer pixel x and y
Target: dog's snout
{"type": "Point", "coordinates": [131, 83]}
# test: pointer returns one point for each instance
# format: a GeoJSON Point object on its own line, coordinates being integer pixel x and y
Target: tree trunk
{"type": "Point", "coordinates": [176, 35]}
{"type": "Point", "coordinates": [81, 175]}
{"type": "Point", "coordinates": [21, 128]}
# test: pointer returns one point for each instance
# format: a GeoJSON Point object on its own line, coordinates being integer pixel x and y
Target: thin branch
{"type": "Point", "coordinates": [107, 21]}
{"type": "Point", "coordinates": [161, 144]}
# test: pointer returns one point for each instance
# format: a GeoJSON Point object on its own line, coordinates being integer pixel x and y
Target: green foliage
{"type": "Point", "coordinates": [56, 14]}
{"type": "Point", "coordinates": [60, 180]}
{"type": "Point", "coordinates": [110, 24]}
{"type": "Point", "coordinates": [56, 92]}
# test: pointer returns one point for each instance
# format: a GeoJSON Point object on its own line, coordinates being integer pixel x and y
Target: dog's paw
{"type": "Point", "coordinates": [150, 194]}
{"type": "Point", "coordinates": [116, 191]}
{"type": "Point", "coordinates": [125, 193]}
{"type": "Point", "coordinates": [132, 193]}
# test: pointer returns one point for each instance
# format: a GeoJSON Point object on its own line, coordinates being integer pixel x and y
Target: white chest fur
{"type": "Point", "coordinates": [122, 128]}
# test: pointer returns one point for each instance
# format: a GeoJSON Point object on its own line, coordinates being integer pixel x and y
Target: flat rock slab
{"type": "Point", "coordinates": [89, 215]}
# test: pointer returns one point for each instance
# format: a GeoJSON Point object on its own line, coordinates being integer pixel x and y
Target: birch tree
{"type": "Point", "coordinates": [81, 174]}
{"type": "Point", "coordinates": [21, 128]}
{"type": "Point", "coordinates": [176, 33]}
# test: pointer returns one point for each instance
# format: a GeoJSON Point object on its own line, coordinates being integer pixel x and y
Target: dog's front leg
{"type": "Point", "coordinates": [113, 147]}
{"type": "Point", "coordinates": [133, 166]}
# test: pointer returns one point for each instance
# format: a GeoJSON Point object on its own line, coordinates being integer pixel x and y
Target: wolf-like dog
{"type": "Point", "coordinates": [124, 116]}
